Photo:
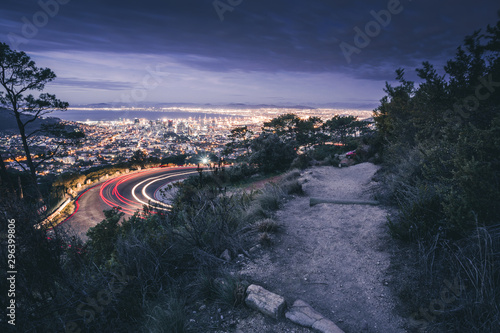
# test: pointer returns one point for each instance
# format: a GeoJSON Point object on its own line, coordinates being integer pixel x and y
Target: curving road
{"type": "Point", "coordinates": [127, 192]}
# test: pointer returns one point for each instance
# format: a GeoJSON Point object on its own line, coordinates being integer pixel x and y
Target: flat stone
{"type": "Point", "coordinates": [326, 326]}
{"type": "Point", "coordinates": [264, 301]}
{"type": "Point", "coordinates": [303, 314]}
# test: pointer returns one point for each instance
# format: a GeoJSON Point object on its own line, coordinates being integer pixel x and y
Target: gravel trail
{"type": "Point", "coordinates": [335, 257]}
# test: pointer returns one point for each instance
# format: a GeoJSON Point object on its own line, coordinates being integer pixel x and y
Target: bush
{"type": "Point", "coordinates": [270, 198]}
{"type": "Point", "coordinates": [271, 154]}
{"type": "Point", "coordinates": [268, 225]}
{"type": "Point", "coordinates": [442, 171]}
{"type": "Point", "coordinates": [292, 187]}
{"type": "Point", "coordinates": [301, 162]}
{"type": "Point", "coordinates": [165, 314]}
{"type": "Point", "coordinates": [322, 152]}
{"type": "Point", "coordinates": [102, 237]}
{"type": "Point", "coordinates": [211, 225]}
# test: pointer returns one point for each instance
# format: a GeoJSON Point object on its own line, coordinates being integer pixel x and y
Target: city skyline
{"type": "Point", "coordinates": [236, 51]}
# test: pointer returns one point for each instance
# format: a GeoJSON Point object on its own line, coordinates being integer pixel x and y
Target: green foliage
{"type": "Point", "coordinates": [440, 144]}
{"type": "Point", "coordinates": [165, 314]}
{"type": "Point", "coordinates": [240, 138]}
{"type": "Point", "coordinates": [271, 154]}
{"type": "Point", "coordinates": [275, 149]}
{"type": "Point", "coordinates": [176, 159]}
{"type": "Point", "coordinates": [139, 158]}
{"type": "Point", "coordinates": [456, 150]}
{"type": "Point", "coordinates": [211, 225]}
{"type": "Point", "coordinates": [340, 128]}
{"type": "Point", "coordinates": [267, 225]}
{"type": "Point", "coordinates": [322, 152]}
{"type": "Point", "coordinates": [270, 199]}
{"type": "Point", "coordinates": [301, 162]}
{"type": "Point", "coordinates": [103, 236]}
{"type": "Point", "coordinates": [69, 180]}
{"type": "Point", "coordinates": [292, 187]}
{"type": "Point", "coordinates": [240, 172]}
{"type": "Point", "coordinates": [290, 128]}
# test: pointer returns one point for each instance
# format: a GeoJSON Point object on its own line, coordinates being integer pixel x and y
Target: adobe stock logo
{"type": "Point", "coordinates": [221, 7]}
{"type": "Point", "coordinates": [371, 30]}
{"type": "Point", "coordinates": [31, 26]}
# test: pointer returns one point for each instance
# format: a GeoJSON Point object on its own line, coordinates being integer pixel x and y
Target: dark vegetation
{"type": "Point", "coordinates": [438, 140]}
{"type": "Point", "coordinates": [19, 75]}
{"type": "Point", "coordinates": [148, 273]}
{"type": "Point", "coordinates": [8, 123]}
{"type": "Point", "coordinates": [440, 143]}
{"type": "Point", "coordinates": [19, 78]}
{"type": "Point", "coordinates": [289, 141]}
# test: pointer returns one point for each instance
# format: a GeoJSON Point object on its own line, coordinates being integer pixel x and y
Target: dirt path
{"type": "Point", "coordinates": [334, 257]}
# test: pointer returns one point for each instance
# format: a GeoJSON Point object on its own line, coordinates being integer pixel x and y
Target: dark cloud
{"type": "Point", "coordinates": [280, 35]}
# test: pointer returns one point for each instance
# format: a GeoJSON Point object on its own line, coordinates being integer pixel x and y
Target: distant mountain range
{"type": "Point", "coordinates": [8, 122]}
{"type": "Point", "coordinates": [309, 106]}
{"type": "Point", "coordinates": [206, 105]}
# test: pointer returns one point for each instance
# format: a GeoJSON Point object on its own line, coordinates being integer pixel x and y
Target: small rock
{"type": "Point", "coordinates": [302, 314]}
{"type": "Point", "coordinates": [226, 255]}
{"type": "Point", "coordinates": [264, 301]}
{"type": "Point", "coordinates": [326, 326]}
{"type": "Point", "coordinates": [255, 248]}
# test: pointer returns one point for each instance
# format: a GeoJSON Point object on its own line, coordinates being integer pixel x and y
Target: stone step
{"type": "Point", "coordinates": [303, 314]}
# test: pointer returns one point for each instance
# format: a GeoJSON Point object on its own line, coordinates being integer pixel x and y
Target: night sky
{"type": "Point", "coordinates": [246, 51]}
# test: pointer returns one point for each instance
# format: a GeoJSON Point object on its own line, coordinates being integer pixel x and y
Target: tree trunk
{"type": "Point", "coordinates": [21, 195]}
{"type": "Point", "coordinates": [3, 173]}
{"type": "Point", "coordinates": [29, 160]}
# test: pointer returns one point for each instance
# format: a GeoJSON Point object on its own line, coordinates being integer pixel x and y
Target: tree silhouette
{"type": "Point", "coordinates": [19, 76]}
{"type": "Point", "coordinates": [291, 128]}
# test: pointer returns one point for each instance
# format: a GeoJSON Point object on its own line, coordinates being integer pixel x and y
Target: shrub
{"type": "Point", "coordinates": [442, 171]}
{"type": "Point", "coordinates": [165, 314]}
{"type": "Point", "coordinates": [301, 162]}
{"type": "Point", "coordinates": [271, 154]}
{"type": "Point", "coordinates": [291, 175]}
{"type": "Point", "coordinates": [265, 239]}
{"type": "Point", "coordinates": [292, 187]}
{"type": "Point", "coordinates": [267, 225]}
{"type": "Point", "coordinates": [102, 237]}
{"type": "Point", "coordinates": [270, 198]}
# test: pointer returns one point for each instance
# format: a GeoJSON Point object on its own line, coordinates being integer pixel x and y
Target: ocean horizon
{"type": "Point", "coordinates": [115, 115]}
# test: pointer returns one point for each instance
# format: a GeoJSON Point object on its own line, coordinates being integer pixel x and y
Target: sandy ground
{"type": "Point", "coordinates": [335, 257]}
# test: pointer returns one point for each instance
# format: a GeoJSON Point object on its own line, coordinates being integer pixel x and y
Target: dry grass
{"type": "Point", "coordinates": [268, 225]}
